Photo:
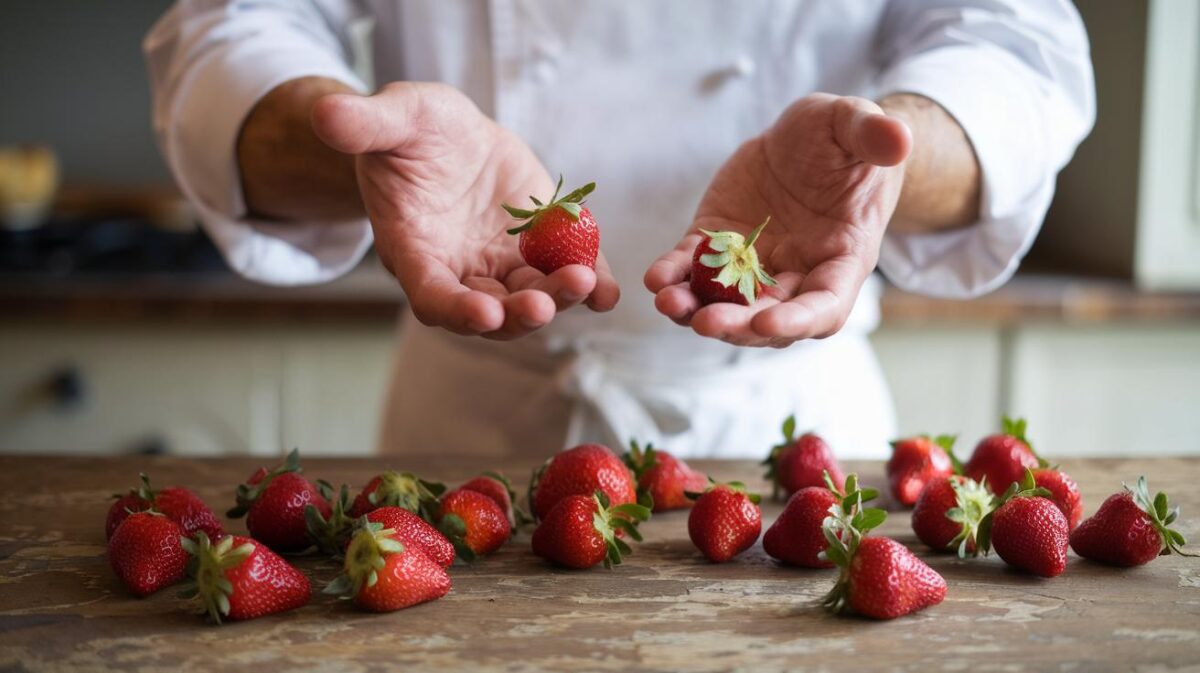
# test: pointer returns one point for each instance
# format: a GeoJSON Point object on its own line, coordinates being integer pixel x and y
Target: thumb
{"type": "Point", "coordinates": [355, 124]}
{"type": "Point", "coordinates": [862, 129]}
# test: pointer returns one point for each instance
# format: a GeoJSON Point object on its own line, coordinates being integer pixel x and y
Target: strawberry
{"type": "Point", "coordinates": [239, 578]}
{"type": "Point", "coordinates": [558, 233]}
{"type": "Point", "coordinates": [1028, 530]}
{"type": "Point", "coordinates": [274, 504]}
{"type": "Point", "coordinates": [915, 462]}
{"type": "Point", "coordinates": [1130, 529]}
{"type": "Point", "coordinates": [949, 513]}
{"type": "Point", "coordinates": [1064, 492]}
{"type": "Point", "coordinates": [1001, 459]}
{"type": "Point", "coordinates": [664, 478]}
{"type": "Point", "coordinates": [796, 537]}
{"type": "Point", "coordinates": [880, 578]}
{"type": "Point", "coordinates": [383, 574]}
{"type": "Point", "coordinates": [399, 489]}
{"type": "Point", "coordinates": [474, 523]}
{"type": "Point", "coordinates": [175, 502]}
{"type": "Point", "coordinates": [581, 531]}
{"type": "Point", "coordinates": [725, 268]}
{"type": "Point", "coordinates": [725, 521]}
{"type": "Point", "coordinates": [414, 532]}
{"type": "Point", "coordinates": [800, 462]}
{"type": "Point", "coordinates": [581, 471]}
{"type": "Point", "coordinates": [497, 487]}
{"type": "Point", "coordinates": [145, 552]}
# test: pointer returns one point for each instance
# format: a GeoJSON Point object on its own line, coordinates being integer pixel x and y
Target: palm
{"type": "Point", "coordinates": [433, 194]}
{"type": "Point", "coordinates": [828, 212]}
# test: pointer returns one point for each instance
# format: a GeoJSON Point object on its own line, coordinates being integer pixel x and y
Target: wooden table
{"type": "Point", "coordinates": [665, 609]}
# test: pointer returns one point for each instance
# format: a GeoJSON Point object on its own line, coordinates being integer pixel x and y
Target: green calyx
{"type": "Point", "coordinates": [1162, 515]}
{"type": "Point", "coordinates": [571, 204]}
{"type": "Point", "coordinates": [640, 461]}
{"type": "Point", "coordinates": [1016, 428]}
{"type": "Point", "coordinates": [330, 535]}
{"type": "Point", "coordinates": [736, 486]}
{"type": "Point", "coordinates": [845, 527]}
{"type": "Point", "coordinates": [772, 459]}
{"type": "Point", "coordinates": [974, 504]}
{"type": "Point", "coordinates": [455, 529]}
{"type": "Point", "coordinates": [365, 557]}
{"type": "Point", "coordinates": [207, 567]}
{"type": "Point", "coordinates": [738, 261]}
{"type": "Point", "coordinates": [248, 494]}
{"type": "Point", "coordinates": [1026, 488]}
{"type": "Point", "coordinates": [404, 489]}
{"type": "Point", "coordinates": [608, 520]}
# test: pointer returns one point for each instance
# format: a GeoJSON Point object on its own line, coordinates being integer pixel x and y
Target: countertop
{"type": "Point", "coordinates": [666, 609]}
{"type": "Point", "coordinates": [370, 295]}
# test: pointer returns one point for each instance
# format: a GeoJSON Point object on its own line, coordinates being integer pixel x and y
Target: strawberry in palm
{"type": "Point", "coordinates": [725, 268]}
{"type": "Point", "coordinates": [915, 461]}
{"type": "Point", "coordinates": [383, 574]}
{"type": "Point", "coordinates": [239, 578]}
{"type": "Point", "coordinates": [663, 477]}
{"type": "Point", "coordinates": [145, 552]}
{"type": "Point", "coordinates": [800, 461]}
{"type": "Point", "coordinates": [1130, 529]}
{"type": "Point", "coordinates": [175, 502]}
{"type": "Point", "coordinates": [558, 233]}
{"type": "Point", "coordinates": [880, 578]}
{"type": "Point", "coordinates": [583, 531]}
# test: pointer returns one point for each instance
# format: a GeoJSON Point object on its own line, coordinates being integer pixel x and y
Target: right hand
{"type": "Point", "coordinates": [433, 171]}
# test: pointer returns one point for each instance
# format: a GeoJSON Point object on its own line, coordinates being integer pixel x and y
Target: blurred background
{"type": "Point", "coordinates": [123, 332]}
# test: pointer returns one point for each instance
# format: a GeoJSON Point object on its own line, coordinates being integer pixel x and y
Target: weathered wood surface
{"type": "Point", "coordinates": [665, 609]}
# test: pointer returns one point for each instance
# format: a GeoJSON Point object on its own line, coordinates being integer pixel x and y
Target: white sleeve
{"type": "Point", "coordinates": [1017, 76]}
{"type": "Point", "coordinates": [210, 61]}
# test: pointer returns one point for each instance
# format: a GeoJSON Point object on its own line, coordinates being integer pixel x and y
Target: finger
{"type": "Point", "coordinates": [819, 308]}
{"type": "Point", "coordinates": [677, 302]}
{"type": "Point", "coordinates": [567, 286]}
{"type": "Point", "coordinates": [439, 299]}
{"type": "Point", "coordinates": [607, 292]}
{"type": "Point", "coordinates": [525, 311]}
{"type": "Point", "coordinates": [673, 267]}
{"type": "Point", "coordinates": [861, 128]}
{"type": "Point", "coordinates": [729, 323]}
{"type": "Point", "coordinates": [356, 124]}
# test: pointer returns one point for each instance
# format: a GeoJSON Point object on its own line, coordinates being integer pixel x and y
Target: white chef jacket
{"type": "Point", "coordinates": [647, 99]}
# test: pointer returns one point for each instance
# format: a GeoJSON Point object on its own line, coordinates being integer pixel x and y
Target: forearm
{"type": "Point", "coordinates": [941, 177]}
{"type": "Point", "coordinates": [287, 173]}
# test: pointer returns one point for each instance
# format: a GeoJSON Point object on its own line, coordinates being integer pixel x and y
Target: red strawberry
{"type": "Point", "coordinates": [725, 521]}
{"type": "Point", "coordinates": [1130, 529]}
{"type": "Point", "coordinates": [239, 578]}
{"type": "Point", "coordinates": [414, 532]}
{"type": "Point", "coordinates": [1064, 492]}
{"type": "Point", "coordinates": [725, 268]}
{"type": "Point", "coordinates": [796, 537]}
{"type": "Point", "coordinates": [383, 574]}
{"type": "Point", "coordinates": [581, 471]}
{"type": "Point", "coordinates": [274, 504]}
{"type": "Point", "coordinates": [949, 512]}
{"type": "Point", "coordinates": [497, 487]}
{"type": "Point", "coordinates": [665, 478]}
{"type": "Point", "coordinates": [915, 462]}
{"type": "Point", "coordinates": [399, 489]}
{"type": "Point", "coordinates": [799, 463]}
{"type": "Point", "coordinates": [1001, 459]}
{"type": "Point", "coordinates": [582, 531]}
{"type": "Point", "coordinates": [474, 523]}
{"type": "Point", "coordinates": [1028, 530]}
{"type": "Point", "coordinates": [558, 233]}
{"type": "Point", "coordinates": [145, 552]}
{"type": "Point", "coordinates": [177, 503]}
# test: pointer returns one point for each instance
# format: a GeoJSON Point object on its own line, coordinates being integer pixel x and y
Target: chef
{"type": "Point", "coordinates": [921, 137]}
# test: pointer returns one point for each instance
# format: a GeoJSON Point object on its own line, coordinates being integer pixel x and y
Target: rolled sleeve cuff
{"type": "Point", "coordinates": [982, 89]}
{"type": "Point", "coordinates": [201, 145]}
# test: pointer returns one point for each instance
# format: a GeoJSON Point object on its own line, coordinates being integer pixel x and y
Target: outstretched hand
{"type": "Point", "coordinates": [433, 171]}
{"type": "Point", "coordinates": [829, 174]}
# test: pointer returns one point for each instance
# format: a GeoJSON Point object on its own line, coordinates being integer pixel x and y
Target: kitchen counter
{"type": "Point", "coordinates": [665, 609]}
{"type": "Point", "coordinates": [370, 295]}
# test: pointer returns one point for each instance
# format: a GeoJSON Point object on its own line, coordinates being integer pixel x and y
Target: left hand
{"type": "Point", "coordinates": [829, 173]}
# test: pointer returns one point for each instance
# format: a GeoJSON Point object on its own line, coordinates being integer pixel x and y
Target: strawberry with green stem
{"type": "Point", "coordinates": [274, 504]}
{"type": "Point", "coordinates": [725, 268]}
{"type": "Point", "coordinates": [581, 531]}
{"type": "Point", "coordinates": [1027, 530]}
{"type": "Point", "coordinates": [796, 537]}
{"type": "Point", "coordinates": [238, 578]}
{"type": "Point", "coordinates": [558, 233]}
{"type": "Point", "coordinates": [145, 553]}
{"type": "Point", "coordinates": [1130, 529]}
{"type": "Point", "coordinates": [950, 512]}
{"type": "Point", "coordinates": [801, 461]}
{"type": "Point", "coordinates": [179, 504]}
{"type": "Point", "coordinates": [725, 520]}
{"type": "Point", "coordinates": [1002, 458]}
{"type": "Point", "coordinates": [399, 489]}
{"type": "Point", "coordinates": [383, 574]}
{"type": "Point", "coordinates": [497, 487]}
{"type": "Point", "coordinates": [663, 480]}
{"type": "Point", "coordinates": [915, 461]}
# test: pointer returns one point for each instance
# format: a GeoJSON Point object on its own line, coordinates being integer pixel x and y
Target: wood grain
{"type": "Point", "coordinates": [666, 609]}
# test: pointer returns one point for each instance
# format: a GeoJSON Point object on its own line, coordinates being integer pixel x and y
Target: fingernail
{"type": "Point", "coordinates": [572, 297]}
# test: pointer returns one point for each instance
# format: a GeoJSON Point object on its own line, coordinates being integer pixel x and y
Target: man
{"type": "Point", "coordinates": [688, 115]}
